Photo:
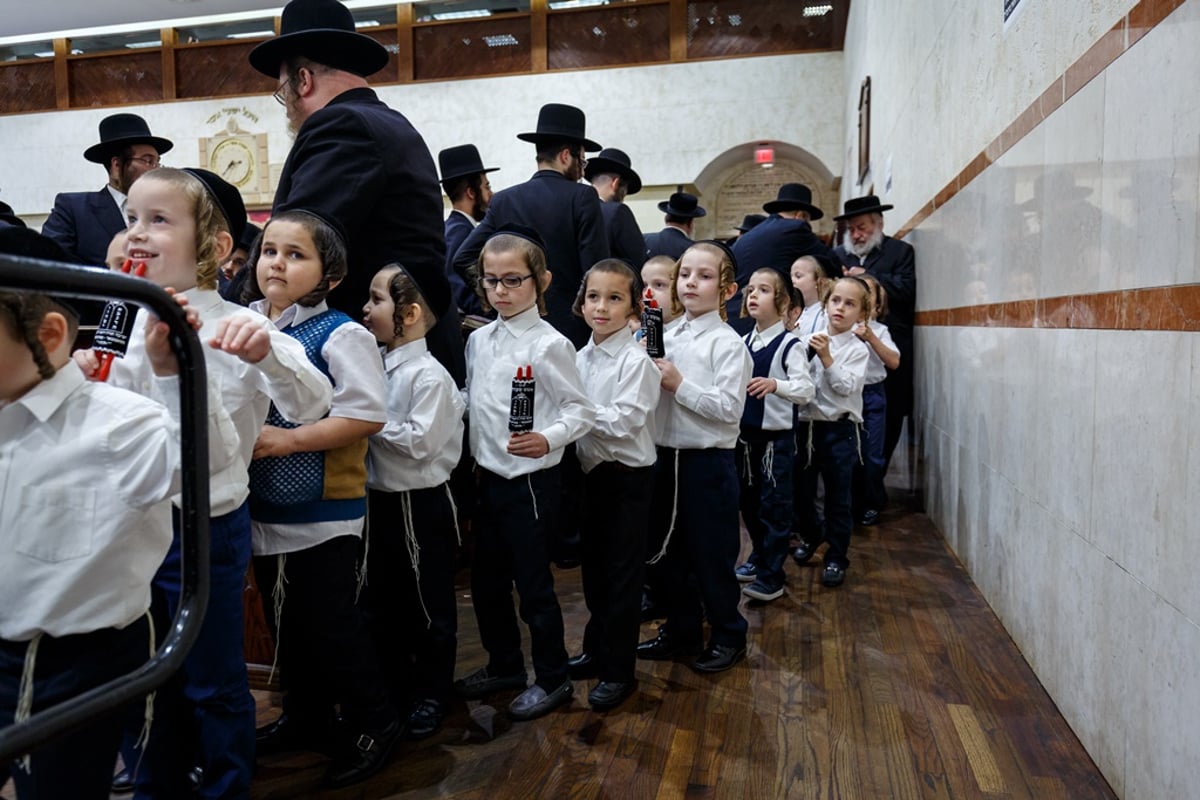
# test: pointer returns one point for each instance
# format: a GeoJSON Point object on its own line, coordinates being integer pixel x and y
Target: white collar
{"type": "Point", "coordinates": [292, 315]}
{"type": "Point", "coordinates": [520, 324]}
{"type": "Point", "coordinates": [770, 333]}
{"type": "Point", "coordinates": [409, 351]}
{"type": "Point", "coordinates": [48, 396]}
{"type": "Point", "coordinates": [703, 323]}
{"type": "Point", "coordinates": [613, 344]}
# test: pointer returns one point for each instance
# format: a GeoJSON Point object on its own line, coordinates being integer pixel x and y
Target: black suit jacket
{"type": "Point", "coordinates": [892, 264]}
{"type": "Point", "coordinates": [625, 239]}
{"type": "Point", "coordinates": [667, 242]}
{"type": "Point", "coordinates": [567, 216]}
{"type": "Point", "coordinates": [458, 228]}
{"type": "Point", "coordinates": [84, 223]}
{"type": "Point", "coordinates": [363, 164]}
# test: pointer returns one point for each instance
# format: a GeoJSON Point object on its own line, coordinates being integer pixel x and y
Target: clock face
{"type": "Point", "coordinates": [233, 160]}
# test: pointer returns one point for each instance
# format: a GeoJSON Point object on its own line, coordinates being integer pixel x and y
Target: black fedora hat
{"type": "Point", "coordinates": [324, 31]}
{"type": "Point", "coordinates": [559, 122]}
{"type": "Point", "coordinates": [750, 221]}
{"type": "Point", "coordinates": [613, 160]}
{"type": "Point", "coordinates": [119, 131]}
{"type": "Point", "coordinates": [857, 206]}
{"type": "Point", "coordinates": [794, 197]}
{"type": "Point", "coordinates": [227, 197]}
{"type": "Point", "coordinates": [682, 204]}
{"type": "Point", "coordinates": [460, 161]}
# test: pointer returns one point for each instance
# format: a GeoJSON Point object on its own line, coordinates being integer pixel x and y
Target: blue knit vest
{"type": "Point", "coordinates": [752, 413]}
{"type": "Point", "coordinates": [292, 489]}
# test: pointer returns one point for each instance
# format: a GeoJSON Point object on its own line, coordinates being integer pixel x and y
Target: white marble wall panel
{"type": "Point", "coordinates": [672, 119]}
{"type": "Point", "coordinates": [1152, 158]}
{"type": "Point", "coordinates": [948, 79]}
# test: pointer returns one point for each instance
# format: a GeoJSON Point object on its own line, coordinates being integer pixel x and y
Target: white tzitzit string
{"type": "Point", "coordinates": [278, 593]}
{"type": "Point", "coordinates": [414, 550]}
{"type": "Point", "coordinates": [674, 508]}
{"type": "Point", "coordinates": [25, 692]}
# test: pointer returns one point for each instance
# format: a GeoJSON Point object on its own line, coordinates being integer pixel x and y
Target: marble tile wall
{"type": "Point", "coordinates": [672, 119]}
{"type": "Point", "coordinates": [1061, 439]}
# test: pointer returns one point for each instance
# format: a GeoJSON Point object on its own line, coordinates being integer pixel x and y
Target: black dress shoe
{"type": "Point", "coordinates": [481, 683]}
{"type": "Point", "coordinates": [286, 735]}
{"type": "Point", "coordinates": [833, 575]}
{"type": "Point", "coordinates": [122, 782]}
{"type": "Point", "coordinates": [869, 517]}
{"type": "Point", "coordinates": [425, 719]}
{"type": "Point", "coordinates": [367, 755]}
{"type": "Point", "coordinates": [582, 667]}
{"type": "Point", "coordinates": [666, 646]}
{"type": "Point", "coordinates": [718, 658]}
{"type": "Point", "coordinates": [803, 553]}
{"type": "Point", "coordinates": [609, 694]}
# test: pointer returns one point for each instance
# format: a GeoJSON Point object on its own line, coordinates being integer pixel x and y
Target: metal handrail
{"type": "Point", "coordinates": [69, 281]}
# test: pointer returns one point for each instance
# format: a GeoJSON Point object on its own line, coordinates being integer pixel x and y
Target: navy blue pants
{"type": "Point", "coordinates": [868, 476]}
{"type": "Point", "coordinates": [835, 452]}
{"type": "Point", "coordinates": [512, 548]}
{"type": "Point", "coordinates": [79, 765]}
{"type": "Point", "coordinates": [766, 461]}
{"type": "Point", "coordinates": [616, 514]}
{"type": "Point", "coordinates": [325, 653]}
{"type": "Point", "coordinates": [416, 654]}
{"type": "Point", "coordinates": [204, 716]}
{"type": "Point", "coordinates": [696, 578]}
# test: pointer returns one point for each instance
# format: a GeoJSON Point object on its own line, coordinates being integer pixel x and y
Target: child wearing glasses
{"type": "Point", "coordinates": [519, 482]}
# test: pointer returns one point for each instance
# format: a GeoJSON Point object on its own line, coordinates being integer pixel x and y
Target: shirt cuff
{"type": "Point", "coordinates": [556, 436]}
{"type": "Point", "coordinates": [688, 395]}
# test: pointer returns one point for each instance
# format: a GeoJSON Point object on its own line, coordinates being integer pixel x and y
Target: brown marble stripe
{"type": "Point", "coordinates": [1115, 41]}
{"type": "Point", "coordinates": [1162, 308]}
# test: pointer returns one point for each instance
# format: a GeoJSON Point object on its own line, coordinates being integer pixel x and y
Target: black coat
{"type": "Point", "coordinates": [364, 164]}
{"type": "Point", "coordinates": [625, 239]}
{"type": "Point", "coordinates": [567, 216]}
{"type": "Point", "coordinates": [458, 228]}
{"type": "Point", "coordinates": [84, 223]}
{"type": "Point", "coordinates": [669, 242]}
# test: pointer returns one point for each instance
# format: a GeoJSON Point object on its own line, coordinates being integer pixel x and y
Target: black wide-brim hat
{"type": "Point", "coordinates": [682, 204]}
{"type": "Point", "coordinates": [322, 30]}
{"type": "Point", "coordinates": [119, 131]}
{"type": "Point", "coordinates": [857, 206]}
{"type": "Point", "coordinates": [227, 197]}
{"type": "Point", "coordinates": [612, 160]}
{"type": "Point", "coordinates": [794, 197]}
{"type": "Point", "coordinates": [559, 122]}
{"type": "Point", "coordinates": [749, 222]}
{"type": "Point", "coordinates": [461, 161]}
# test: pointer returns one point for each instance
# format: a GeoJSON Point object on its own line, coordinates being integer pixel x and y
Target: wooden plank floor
{"type": "Point", "coordinates": [900, 684]}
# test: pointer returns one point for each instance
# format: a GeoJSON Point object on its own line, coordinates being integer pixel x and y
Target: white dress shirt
{"type": "Point", "coordinates": [120, 198]}
{"type": "Point", "coordinates": [87, 471]}
{"type": "Point", "coordinates": [561, 411]}
{"type": "Point", "coordinates": [706, 410]}
{"type": "Point", "coordinates": [812, 319]}
{"type": "Point", "coordinates": [876, 370]}
{"type": "Point", "coordinates": [359, 392]}
{"type": "Point", "coordinates": [623, 383]}
{"type": "Point", "coordinates": [422, 441]}
{"type": "Point", "coordinates": [286, 376]}
{"type": "Point", "coordinates": [794, 386]}
{"type": "Point", "coordinates": [839, 388]}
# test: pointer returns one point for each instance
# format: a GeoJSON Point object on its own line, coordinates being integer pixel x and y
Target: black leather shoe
{"type": "Point", "coordinates": [536, 702]}
{"type": "Point", "coordinates": [833, 575]}
{"type": "Point", "coordinates": [285, 735]}
{"type": "Point", "coordinates": [665, 646]}
{"type": "Point", "coordinates": [582, 667]}
{"type": "Point", "coordinates": [718, 658]}
{"type": "Point", "coordinates": [367, 754]}
{"type": "Point", "coordinates": [609, 694]}
{"type": "Point", "coordinates": [425, 719]}
{"type": "Point", "coordinates": [803, 553]}
{"type": "Point", "coordinates": [481, 683]}
{"type": "Point", "coordinates": [122, 782]}
{"type": "Point", "coordinates": [870, 517]}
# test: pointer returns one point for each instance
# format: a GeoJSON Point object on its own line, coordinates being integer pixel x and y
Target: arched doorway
{"type": "Point", "coordinates": [733, 185]}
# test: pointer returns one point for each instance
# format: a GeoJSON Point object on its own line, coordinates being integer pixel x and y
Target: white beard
{"type": "Point", "coordinates": [861, 250]}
